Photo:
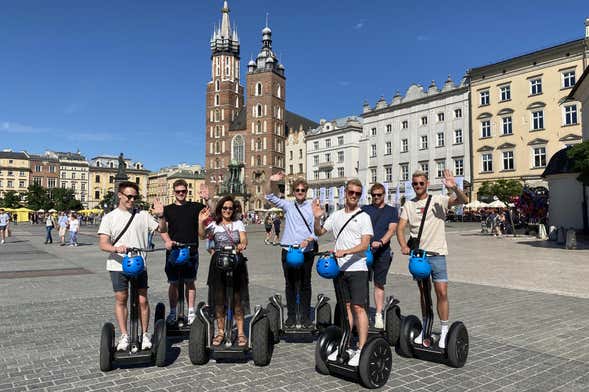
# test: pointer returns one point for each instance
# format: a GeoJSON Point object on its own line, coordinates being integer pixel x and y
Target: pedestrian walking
{"type": "Point", "coordinates": [49, 225]}
{"type": "Point", "coordinates": [74, 228]}
{"type": "Point", "coordinates": [4, 225]}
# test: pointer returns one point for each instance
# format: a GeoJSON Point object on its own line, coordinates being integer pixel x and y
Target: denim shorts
{"type": "Point", "coordinates": [439, 272]}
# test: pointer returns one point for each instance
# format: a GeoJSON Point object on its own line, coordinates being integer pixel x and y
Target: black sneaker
{"type": "Point", "coordinates": [308, 324]}
{"type": "Point", "coordinates": [289, 323]}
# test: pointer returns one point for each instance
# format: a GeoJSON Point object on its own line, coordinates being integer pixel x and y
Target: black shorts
{"type": "Point", "coordinates": [187, 270]}
{"type": "Point", "coordinates": [120, 281]}
{"type": "Point", "coordinates": [268, 228]}
{"type": "Point", "coordinates": [354, 287]}
{"type": "Point", "coordinates": [381, 265]}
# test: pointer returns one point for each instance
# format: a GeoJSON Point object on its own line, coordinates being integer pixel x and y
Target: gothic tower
{"type": "Point", "coordinates": [223, 102]}
{"type": "Point", "coordinates": [265, 123]}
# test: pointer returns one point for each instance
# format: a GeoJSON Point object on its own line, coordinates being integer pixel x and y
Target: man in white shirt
{"type": "Point", "coordinates": [135, 236]}
{"type": "Point", "coordinates": [351, 243]}
{"type": "Point", "coordinates": [4, 224]}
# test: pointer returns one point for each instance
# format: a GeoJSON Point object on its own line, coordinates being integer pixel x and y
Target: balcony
{"type": "Point", "coordinates": [325, 165]}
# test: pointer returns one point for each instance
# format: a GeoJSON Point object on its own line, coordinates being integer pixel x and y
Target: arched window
{"type": "Point", "coordinates": [259, 144]}
{"type": "Point", "coordinates": [217, 131]}
{"type": "Point", "coordinates": [217, 164]}
{"type": "Point", "coordinates": [217, 115]}
{"type": "Point", "coordinates": [258, 204]}
{"type": "Point", "coordinates": [217, 85]}
{"type": "Point", "coordinates": [216, 99]}
{"type": "Point", "coordinates": [259, 110]}
{"type": "Point", "coordinates": [237, 102]}
{"type": "Point", "coordinates": [98, 164]}
{"type": "Point", "coordinates": [238, 149]}
{"type": "Point", "coordinates": [112, 165]}
{"type": "Point", "coordinates": [137, 166]}
{"type": "Point", "coordinates": [259, 89]}
{"type": "Point", "coordinates": [258, 127]}
{"type": "Point", "coordinates": [259, 160]}
{"type": "Point", "coordinates": [217, 148]}
{"type": "Point", "coordinates": [279, 91]}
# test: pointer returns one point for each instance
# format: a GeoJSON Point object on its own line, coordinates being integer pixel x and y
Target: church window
{"type": "Point", "coordinates": [217, 85]}
{"type": "Point", "coordinates": [216, 99]}
{"type": "Point", "coordinates": [237, 102]}
{"type": "Point", "coordinates": [259, 89]}
{"type": "Point", "coordinates": [217, 115]}
{"type": "Point", "coordinates": [259, 110]}
{"type": "Point", "coordinates": [258, 127]}
{"type": "Point", "coordinates": [279, 91]}
{"type": "Point", "coordinates": [238, 149]}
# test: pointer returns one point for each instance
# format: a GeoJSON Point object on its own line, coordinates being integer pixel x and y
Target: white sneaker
{"type": "Point", "coordinates": [123, 344]}
{"type": "Point", "coordinates": [333, 355]}
{"type": "Point", "coordinates": [418, 339]}
{"type": "Point", "coordinates": [2, 241]}
{"type": "Point", "coordinates": [378, 321]}
{"type": "Point", "coordinates": [191, 317]}
{"type": "Point", "coordinates": [355, 358]}
{"type": "Point", "coordinates": [171, 319]}
{"type": "Point", "coordinates": [146, 342]}
{"type": "Point", "coordinates": [442, 342]}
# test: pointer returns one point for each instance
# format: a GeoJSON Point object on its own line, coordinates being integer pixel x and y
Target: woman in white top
{"type": "Point", "coordinates": [227, 230]}
{"type": "Point", "coordinates": [49, 225]}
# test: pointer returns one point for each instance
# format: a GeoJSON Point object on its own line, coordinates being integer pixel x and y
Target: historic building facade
{"type": "Point", "coordinates": [245, 139]}
{"type": "Point", "coordinates": [296, 156]}
{"type": "Point", "coordinates": [14, 171]}
{"type": "Point", "coordinates": [424, 130]}
{"type": "Point", "coordinates": [520, 117]}
{"type": "Point", "coordinates": [73, 173]}
{"type": "Point", "coordinates": [44, 170]}
{"type": "Point", "coordinates": [161, 183]}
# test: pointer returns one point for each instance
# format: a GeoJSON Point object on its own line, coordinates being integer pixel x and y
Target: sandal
{"type": "Point", "coordinates": [218, 339]}
{"type": "Point", "coordinates": [241, 341]}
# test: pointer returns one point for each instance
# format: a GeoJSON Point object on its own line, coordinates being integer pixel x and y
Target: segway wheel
{"type": "Point", "coordinates": [376, 361]}
{"type": "Point", "coordinates": [326, 344]}
{"type": "Point", "coordinates": [410, 328]}
{"type": "Point", "coordinates": [393, 327]}
{"type": "Point", "coordinates": [457, 344]}
{"type": "Point", "coordinates": [323, 317]}
{"type": "Point", "coordinates": [161, 343]}
{"type": "Point", "coordinates": [160, 312]}
{"type": "Point", "coordinates": [197, 343]}
{"type": "Point", "coordinates": [107, 347]}
{"type": "Point", "coordinates": [261, 342]}
{"type": "Point", "coordinates": [273, 315]}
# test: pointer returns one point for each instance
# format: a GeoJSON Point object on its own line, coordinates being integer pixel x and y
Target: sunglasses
{"type": "Point", "coordinates": [301, 190]}
{"type": "Point", "coordinates": [181, 191]}
{"type": "Point", "coordinates": [377, 194]}
{"type": "Point", "coordinates": [420, 183]}
{"type": "Point", "coordinates": [354, 193]}
{"type": "Point", "coordinates": [227, 208]}
{"type": "Point", "coordinates": [130, 197]}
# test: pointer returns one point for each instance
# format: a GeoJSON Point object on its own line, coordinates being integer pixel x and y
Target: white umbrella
{"type": "Point", "coordinates": [52, 210]}
{"type": "Point", "coordinates": [41, 210]}
{"type": "Point", "coordinates": [476, 204]}
{"type": "Point", "coordinates": [497, 204]}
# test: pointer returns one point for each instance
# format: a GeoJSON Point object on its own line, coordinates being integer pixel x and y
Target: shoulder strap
{"type": "Point", "coordinates": [304, 220]}
{"type": "Point", "coordinates": [348, 221]}
{"type": "Point", "coordinates": [126, 226]}
{"type": "Point", "coordinates": [429, 199]}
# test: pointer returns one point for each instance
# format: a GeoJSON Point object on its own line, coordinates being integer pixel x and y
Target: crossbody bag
{"type": "Point", "coordinates": [413, 242]}
{"type": "Point", "coordinates": [315, 243]}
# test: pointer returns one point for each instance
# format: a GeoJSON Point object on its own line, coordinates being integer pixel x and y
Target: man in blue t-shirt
{"type": "Point", "coordinates": [384, 223]}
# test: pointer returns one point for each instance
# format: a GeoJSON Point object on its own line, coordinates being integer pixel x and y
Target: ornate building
{"type": "Point", "coordinates": [245, 141]}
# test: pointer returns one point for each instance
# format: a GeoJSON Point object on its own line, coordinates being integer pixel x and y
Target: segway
{"type": "Point", "coordinates": [133, 266]}
{"type": "Point", "coordinates": [259, 343]}
{"type": "Point", "coordinates": [295, 259]}
{"type": "Point", "coordinates": [376, 358]}
{"type": "Point", "coordinates": [179, 255]}
{"type": "Point", "coordinates": [456, 351]}
{"type": "Point", "coordinates": [392, 314]}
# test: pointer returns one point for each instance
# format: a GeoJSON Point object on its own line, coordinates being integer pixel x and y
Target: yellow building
{"type": "Point", "coordinates": [518, 115]}
{"type": "Point", "coordinates": [14, 171]}
{"type": "Point", "coordinates": [161, 183]}
{"type": "Point", "coordinates": [296, 159]}
{"type": "Point", "coordinates": [103, 170]}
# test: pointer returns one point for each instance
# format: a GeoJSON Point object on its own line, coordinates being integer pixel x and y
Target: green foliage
{"type": "Point", "coordinates": [107, 200]}
{"type": "Point", "coordinates": [505, 190]}
{"type": "Point", "coordinates": [11, 200]}
{"type": "Point", "coordinates": [64, 199]}
{"type": "Point", "coordinates": [38, 198]}
{"type": "Point", "coordinates": [579, 153]}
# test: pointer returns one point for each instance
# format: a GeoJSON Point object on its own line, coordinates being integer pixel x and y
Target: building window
{"type": "Point", "coordinates": [37, 168]}
{"type": "Point", "coordinates": [238, 149]}
{"type": "Point", "coordinates": [440, 117]}
{"type": "Point", "coordinates": [316, 174]}
{"type": "Point", "coordinates": [21, 183]}
{"type": "Point", "coordinates": [259, 89]}
{"type": "Point", "coordinates": [538, 120]}
{"type": "Point", "coordinates": [217, 119]}
{"type": "Point", "coordinates": [97, 178]}
{"type": "Point", "coordinates": [568, 79]}
{"type": "Point", "coordinates": [388, 150]}
{"type": "Point", "coordinates": [536, 86]}
{"type": "Point", "coordinates": [258, 127]}
{"type": "Point", "coordinates": [507, 125]}
{"type": "Point", "coordinates": [404, 171]}
{"type": "Point", "coordinates": [487, 161]}
{"type": "Point", "coordinates": [539, 156]}
{"type": "Point", "coordinates": [372, 150]}
{"type": "Point", "coordinates": [484, 97]}
{"type": "Point", "coordinates": [21, 173]}
{"type": "Point", "coordinates": [328, 174]}
{"type": "Point", "coordinates": [51, 169]}
{"type": "Point", "coordinates": [217, 100]}
{"type": "Point", "coordinates": [340, 171]}
{"type": "Point", "coordinates": [405, 124]}
{"type": "Point", "coordinates": [441, 166]}
{"type": "Point", "coordinates": [388, 173]}
{"type": "Point", "coordinates": [83, 176]}
{"type": "Point", "coordinates": [423, 142]}
{"type": "Point", "coordinates": [389, 128]}
{"type": "Point", "coordinates": [111, 180]}
{"type": "Point", "coordinates": [315, 160]}
{"type": "Point", "coordinates": [315, 145]}
{"type": "Point", "coordinates": [300, 167]}
{"type": "Point", "coordinates": [340, 140]}
{"type": "Point", "coordinates": [300, 153]}
{"type": "Point", "coordinates": [373, 175]}
{"type": "Point", "coordinates": [458, 167]}
{"type": "Point", "coordinates": [328, 157]}
{"type": "Point", "coordinates": [290, 169]}
{"type": "Point", "coordinates": [508, 163]}
{"type": "Point", "coordinates": [458, 136]}
{"type": "Point", "coordinates": [485, 128]}
{"type": "Point", "coordinates": [570, 114]}
{"type": "Point", "coordinates": [340, 156]}
{"type": "Point", "coordinates": [458, 113]}
{"type": "Point", "coordinates": [290, 155]}
{"type": "Point", "coordinates": [259, 110]}
{"type": "Point", "coordinates": [424, 167]}
{"type": "Point", "coordinates": [404, 145]}
{"type": "Point", "coordinates": [73, 176]}
{"type": "Point", "coordinates": [327, 143]}
{"type": "Point", "coordinates": [440, 140]}
{"type": "Point", "coordinates": [373, 132]}
{"type": "Point", "coordinates": [424, 120]}
{"type": "Point", "coordinates": [10, 184]}
{"type": "Point", "coordinates": [217, 85]}
{"type": "Point", "coordinates": [37, 181]}
{"type": "Point", "coordinates": [505, 93]}
{"type": "Point", "coordinates": [51, 182]}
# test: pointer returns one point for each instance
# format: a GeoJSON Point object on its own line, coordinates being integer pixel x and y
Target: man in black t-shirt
{"type": "Point", "coordinates": [179, 224]}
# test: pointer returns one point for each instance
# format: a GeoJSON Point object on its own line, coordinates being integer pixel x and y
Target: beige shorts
{"type": "Point", "coordinates": [62, 231]}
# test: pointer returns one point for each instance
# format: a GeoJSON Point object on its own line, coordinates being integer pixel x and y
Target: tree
{"type": "Point", "coordinates": [64, 200]}
{"type": "Point", "coordinates": [579, 154]}
{"type": "Point", "coordinates": [11, 200]}
{"type": "Point", "coordinates": [107, 200]}
{"type": "Point", "coordinates": [37, 197]}
{"type": "Point", "coordinates": [504, 190]}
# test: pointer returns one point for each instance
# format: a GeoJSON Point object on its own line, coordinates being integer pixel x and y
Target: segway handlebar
{"type": "Point", "coordinates": [183, 244]}
{"type": "Point", "coordinates": [326, 253]}
{"type": "Point", "coordinates": [144, 250]}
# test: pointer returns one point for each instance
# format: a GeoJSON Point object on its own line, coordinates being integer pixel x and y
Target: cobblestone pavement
{"type": "Point", "coordinates": [526, 306]}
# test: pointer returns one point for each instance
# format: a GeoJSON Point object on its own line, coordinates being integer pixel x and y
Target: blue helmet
{"type": "Point", "coordinates": [179, 255]}
{"type": "Point", "coordinates": [327, 267]}
{"type": "Point", "coordinates": [419, 266]}
{"type": "Point", "coordinates": [133, 266]}
{"type": "Point", "coordinates": [295, 257]}
{"type": "Point", "coordinates": [369, 257]}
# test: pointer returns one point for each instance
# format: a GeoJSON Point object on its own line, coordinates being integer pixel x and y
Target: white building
{"type": "Point", "coordinates": [296, 159]}
{"type": "Point", "coordinates": [424, 130]}
{"type": "Point", "coordinates": [73, 173]}
{"type": "Point", "coordinates": [333, 151]}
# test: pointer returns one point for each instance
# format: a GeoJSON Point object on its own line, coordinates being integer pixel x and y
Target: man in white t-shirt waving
{"type": "Point", "coordinates": [433, 237]}
{"type": "Point", "coordinates": [350, 245]}
{"type": "Point", "coordinates": [135, 236]}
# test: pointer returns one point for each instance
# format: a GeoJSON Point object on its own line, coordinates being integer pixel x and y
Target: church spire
{"type": "Point", "coordinates": [225, 38]}
{"type": "Point", "coordinates": [225, 26]}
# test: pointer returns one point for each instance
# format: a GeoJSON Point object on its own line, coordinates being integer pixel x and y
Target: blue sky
{"type": "Point", "coordinates": [129, 76]}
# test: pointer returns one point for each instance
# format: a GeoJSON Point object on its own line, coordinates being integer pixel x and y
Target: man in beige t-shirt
{"type": "Point", "coordinates": [433, 237]}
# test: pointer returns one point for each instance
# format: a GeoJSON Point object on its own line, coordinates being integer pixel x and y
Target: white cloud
{"type": "Point", "coordinates": [12, 127]}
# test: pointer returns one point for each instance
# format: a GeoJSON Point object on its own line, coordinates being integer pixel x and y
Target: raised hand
{"type": "Point", "coordinates": [204, 214]}
{"type": "Point", "coordinates": [448, 180]}
{"type": "Point", "coordinates": [318, 212]}
{"type": "Point", "coordinates": [277, 176]}
{"type": "Point", "coordinates": [158, 207]}
{"type": "Point", "coordinates": [204, 192]}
